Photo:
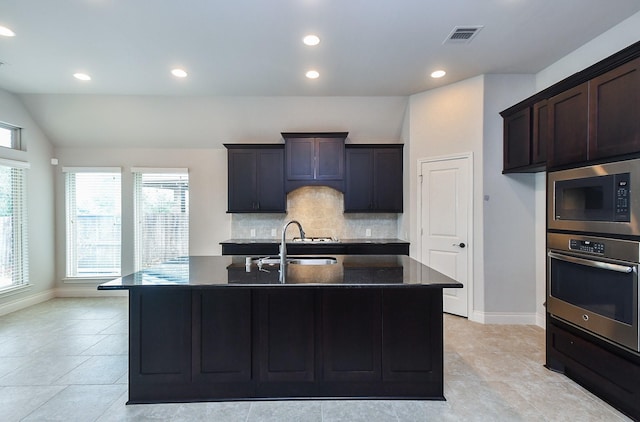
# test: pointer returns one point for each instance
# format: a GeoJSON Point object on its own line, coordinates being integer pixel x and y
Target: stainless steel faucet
{"type": "Point", "coordinates": [283, 248]}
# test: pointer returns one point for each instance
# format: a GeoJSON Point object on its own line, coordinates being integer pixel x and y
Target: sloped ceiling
{"type": "Point", "coordinates": [246, 62]}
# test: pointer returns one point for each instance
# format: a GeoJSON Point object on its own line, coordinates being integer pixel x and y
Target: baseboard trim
{"type": "Point", "coordinates": [541, 320]}
{"type": "Point", "coordinates": [89, 291]}
{"type": "Point", "coordinates": [26, 301]}
{"type": "Point", "coordinates": [505, 318]}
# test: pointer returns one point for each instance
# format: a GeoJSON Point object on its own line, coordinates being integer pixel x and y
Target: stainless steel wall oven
{"type": "Point", "coordinates": [592, 283]}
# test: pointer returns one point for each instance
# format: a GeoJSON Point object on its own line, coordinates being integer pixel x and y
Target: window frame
{"type": "Point", "coordinates": [16, 136]}
{"type": "Point", "coordinates": [137, 175]}
{"type": "Point", "coordinates": [71, 231]}
{"type": "Point", "coordinates": [20, 226]}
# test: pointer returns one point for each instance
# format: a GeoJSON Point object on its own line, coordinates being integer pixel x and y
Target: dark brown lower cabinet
{"type": "Point", "coordinates": [190, 344]}
{"type": "Point", "coordinates": [352, 335]}
{"type": "Point", "coordinates": [608, 371]}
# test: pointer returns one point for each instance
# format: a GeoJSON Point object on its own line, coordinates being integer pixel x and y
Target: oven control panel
{"type": "Point", "coordinates": [586, 246]}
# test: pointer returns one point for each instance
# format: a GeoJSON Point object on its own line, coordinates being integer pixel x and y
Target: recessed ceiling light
{"type": "Point", "coordinates": [6, 32]}
{"type": "Point", "coordinates": [312, 74]}
{"type": "Point", "coordinates": [179, 73]}
{"type": "Point", "coordinates": [311, 40]}
{"type": "Point", "coordinates": [82, 76]}
{"type": "Point", "coordinates": [438, 74]}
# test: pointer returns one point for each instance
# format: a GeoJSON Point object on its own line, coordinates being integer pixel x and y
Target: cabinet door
{"type": "Point", "coordinates": [300, 158]}
{"type": "Point", "coordinates": [358, 195]}
{"type": "Point", "coordinates": [329, 158]}
{"type": "Point", "coordinates": [387, 179]}
{"type": "Point", "coordinates": [614, 124]}
{"type": "Point", "coordinates": [352, 335]}
{"type": "Point", "coordinates": [242, 186]}
{"type": "Point", "coordinates": [517, 139]}
{"type": "Point", "coordinates": [540, 135]}
{"type": "Point", "coordinates": [568, 124]}
{"type": "Point", "coordinates": [160, 336]}
{"type": "Point", "coordinates": [286, 330]}
{"type": "Point", "coordinates": [270, 180]}
{"type": "Point", "coordinates": [222, 335]}
{"type": "Point", "coordinates": [412, 335]}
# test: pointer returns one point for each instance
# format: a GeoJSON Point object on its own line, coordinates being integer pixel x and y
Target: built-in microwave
{"type": "Point", "coordinates": [602, 198]}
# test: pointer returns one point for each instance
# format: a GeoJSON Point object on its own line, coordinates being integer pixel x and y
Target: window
{"type": "Point", "coordinates": [93, 221]}
{"type": "Point", "coordinates": [13, 224]}
{"type": "Point", "coordinates": [161, 215]}
{"type": "Point", "coordinates": [9, 136]}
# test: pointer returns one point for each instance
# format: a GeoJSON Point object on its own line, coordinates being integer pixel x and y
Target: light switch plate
{"type": "Point", "coordinates": [273, 233]}
{"type": "Point", "coordinates": [253, 232]}
{"type": "Point", "coordinates": [367, 232]}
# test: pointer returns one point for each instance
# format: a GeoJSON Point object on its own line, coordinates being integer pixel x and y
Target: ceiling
{"type": "Point", "coordinates": [246, 62]}
{"type": "Point", "coordinates": [254, 47]}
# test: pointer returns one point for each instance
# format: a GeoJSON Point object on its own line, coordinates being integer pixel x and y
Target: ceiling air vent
{"type": "Point", "coordinates": [463, 34]}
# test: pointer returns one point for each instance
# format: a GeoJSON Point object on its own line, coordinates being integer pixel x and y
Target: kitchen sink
{"type": "Point", "coordinates": [312, 239]}
{"type": "Point", "coordinates": [312, 260]}
{"type": "Point", "coordinates": [299, 260]}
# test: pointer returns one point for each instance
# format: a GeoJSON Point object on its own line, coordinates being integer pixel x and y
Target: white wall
{"type": "Point", "coordinates": [209, 223]}
{"type": "Point", "coordinates": [447, 121]}
{"type": "Point", "coordinates": [617, 38]}
{"type": "Point", "coordinates": [40, 197]}
{"type": "Point", "coordinates": [146, 121]}
{"type": "Point", "coordinates": [509, 213]}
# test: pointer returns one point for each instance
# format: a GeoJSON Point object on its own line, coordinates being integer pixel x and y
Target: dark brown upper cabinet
{"type": "Point", "coordinates": [526, 134]}
{"type": "Point", "coordinates": [540, 136]}
{"type": "Point", "coordinates": [256, 178]}
{"type": "Point", "coordinates": [517, 139]}
{"type": "Point", "coordinates": [314, 159]}
{"type": "Point", "coordinates": [591, 116]}
{"type": "Point", "coordinates": [569, 126]}
{"type": "Point", "coordinates": [614, 112]}
{"type": "Point", "coordinates": [373, 178]}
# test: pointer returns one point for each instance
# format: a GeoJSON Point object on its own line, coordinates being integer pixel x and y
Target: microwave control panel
{"type": "Point", "coordinates": [586, 246]}
{"type": "Point", "coordinates": [623, 199]}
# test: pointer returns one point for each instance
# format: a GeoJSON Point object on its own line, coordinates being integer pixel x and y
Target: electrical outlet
{"type": "Point", "coordinates": [273, 233]}
{"type": "Point", "coordinates": [253, 232]}
{"type": "Point", "coordinates": [367, 232]}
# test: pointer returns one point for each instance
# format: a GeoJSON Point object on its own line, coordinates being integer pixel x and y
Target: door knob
{"type": "Point", "coordinates": [462, 245]}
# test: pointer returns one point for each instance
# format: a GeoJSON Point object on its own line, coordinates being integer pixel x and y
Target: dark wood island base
{"type": "Point", "coordinates": [200, 342]}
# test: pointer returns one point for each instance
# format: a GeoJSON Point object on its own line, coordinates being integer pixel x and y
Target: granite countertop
{"type": "Point", "coordinates": [226, 271]}
{"type": "Point", "coordinates": [340, 241]}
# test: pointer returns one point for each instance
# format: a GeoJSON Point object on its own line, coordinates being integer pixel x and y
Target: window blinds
{"type": "Point", "coordinates": [161, 215]}
{"type": "Point", "coordinates": [13, 225]}
{"type": "Point", "coordinates": [93, 221]}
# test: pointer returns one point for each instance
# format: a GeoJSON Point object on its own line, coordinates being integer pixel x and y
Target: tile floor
{"type": "Point", "coordinates": [66, 360]}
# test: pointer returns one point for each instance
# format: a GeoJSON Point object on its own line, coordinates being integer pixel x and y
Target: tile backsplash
{"type": "Point", "coordinates": [320, 211]}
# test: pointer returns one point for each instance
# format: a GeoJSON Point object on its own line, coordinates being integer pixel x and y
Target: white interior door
{"type": "Point", "coordinates": [445, 199]}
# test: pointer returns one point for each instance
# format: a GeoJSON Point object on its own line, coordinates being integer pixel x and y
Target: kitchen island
{"type": "Point", "coordinates": [208, 328]}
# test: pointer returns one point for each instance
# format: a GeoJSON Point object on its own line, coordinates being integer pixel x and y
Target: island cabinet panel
{"type": "Point", "coordinates": [240, 342]}
{"type": "Point", "coordinates": [569, 126]}
{"type": "Point", "coordinates": [286, 338]}
{"type": "Point", "coordinates": [415, 358]}
{"type": "Point", "coordinates": [222, 336]}
{"type": "Point", "coordinates": [351, 335]}
{"type": "Point", "coordinates": [614, 120]}
{"type": "Point", "coordinates": [160, 336]}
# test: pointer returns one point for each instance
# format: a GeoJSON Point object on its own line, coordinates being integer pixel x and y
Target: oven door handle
{"type": "Point", "coordinates": [591, 263]}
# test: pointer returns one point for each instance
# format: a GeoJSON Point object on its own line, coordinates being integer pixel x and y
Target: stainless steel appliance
{"type": "Point", "coordinates": [602, 198]}
{"type": "Point", "coordinates": [592, 283]}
